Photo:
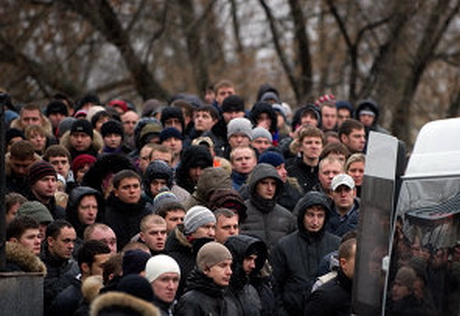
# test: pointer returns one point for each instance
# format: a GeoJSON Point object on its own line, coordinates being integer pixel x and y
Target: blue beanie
{"type": "Point", "coordinates": [170, 132]}
{"type": "Point", "coordinates": [272, 158]}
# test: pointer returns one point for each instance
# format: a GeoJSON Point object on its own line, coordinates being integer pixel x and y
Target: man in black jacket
{"type": "Point", "coordinates": [295, 275]}
{"type": "Point", "coordinates": [334, 297]}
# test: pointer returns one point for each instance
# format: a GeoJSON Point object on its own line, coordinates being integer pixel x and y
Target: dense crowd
{"type": "Point", "coordinates": [193, 207]}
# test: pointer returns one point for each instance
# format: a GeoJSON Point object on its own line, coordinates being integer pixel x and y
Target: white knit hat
{"type": "Point", "coordinates": [196, 217]}
{"type": "Point", "coordinates": [158, 265]}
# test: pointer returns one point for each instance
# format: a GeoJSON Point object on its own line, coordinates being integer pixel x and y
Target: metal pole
{"type": "Point", "coordinates": [3, 97]}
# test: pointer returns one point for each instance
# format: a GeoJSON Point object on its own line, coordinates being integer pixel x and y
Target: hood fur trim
{"type": "Point", "coordinates": [125, 301]}
{"type": "Point", "coordinates": [24, 258]}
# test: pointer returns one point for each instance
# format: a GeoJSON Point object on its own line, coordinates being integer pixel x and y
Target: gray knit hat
{"type": "Point", "coordinates": [36, 210]}
{"type": "Point", "coordinates": [239, 125]}
{"type": "Point", "coordinates": [196, 217]}
{"type": "Point", "coordinates": [260, 132]}
{"type": "Point", "coordinates": [211, 254]}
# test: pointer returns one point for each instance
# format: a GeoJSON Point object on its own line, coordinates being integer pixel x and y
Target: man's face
{"type": "Point", "coordinates": [38, 140]}
{"type": "Point", "coordinates": [87, 210]}
{"type": "Point", "coordinates": [207, 230]}
{"type": "Point", "coordinates": [173, 143]}
{"type": "Point", "coordinates": [228, 116]}
{"type": "Point", "coordinates": [313, 219]}
{"type": "Point", "coordinates": [97, 267]}
{"type": "Point", "coordinates": [63, 245]}
{"type": "Point", "coordinates": [144, 158]}
{"type": "Point", "coordinates": [19, 166]}
{"type": "Point", "coordinates": [366, 119]}
{"type": "Point", "coordinates": [356, 171]}
{"type": "Point", "coordinates": [30, 117]}
{"type": "Point", "coordinates": [129, 190]}
{"type": "Point", "coordinates": [56, 118]}
{"type": "Point", "coordinates": [30, 239]}
{"type": "Point", "coordinates": [266, 188]}
{"type": "Point", "coordinates": [226, 227]}
{"type": "Point", "coordinates": [45, 187]}
{"type": "Point", "coordinates": [243, 160]}
{"type": "Point", "coordinates": [195, 173]}
{"type": "Point", "coordinates": [165, 286]}
{"type": "Point", "coordinates": [399, 291]}
{"type": "Point", "coordinates": [327, 172]}
{"type": "Point", "coordinates": [342, 116]}
{"type": "Point", "coordinates": [238, 140]}
{"type": "Point", "coordinates": [329, 117]}
{"type": "Point", "coordinates": [308, 118]}
{"type": "Point", "coordinates": [261, 144]}
{"type": "Point", "coordinates": [249, 264]}
{"type": "Point", "coordinates": [343, 197]}
{"type": "Point", "coordinates": [156, 185]}
{"type": "Point", "coordinates": [80, 141]}
{"type": "Point", "coordinates": [203, 121]}
{"type": "Point", "coordinates": [129, 121]}
{"type": "Point", "coordinates": [220, 273]}
{"type": "Point", "coordinates": [107, 236]}
{"type": "Point", "coordinates": [348, 265]}
{"type": "Point", "coordinates": [173, 122]}
{"type": "Point", "coordinates": [112, 140]}
{"type": "Point", "coordinates": [311, 147]}
{"type": "Point", "coordinates": [61, 165]}
{"type": "Point", "coordinates": [159, 155]}
{"type": "Point", "coordinates": [281, 169]}
{"type": "Point", "coordinates": [355, 141]}
{"type": "Point", "coordinates": [173, 218]}
{"type": "Point", "coordinates": [154, 236]}
{"type": "Point", "coordinates": [11, 212]}
{"type": "Point", "coordinates": [224, 92]}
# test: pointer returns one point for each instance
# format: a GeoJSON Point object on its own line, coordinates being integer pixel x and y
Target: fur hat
{"type": "Point", "coordinates": [160, 264]}
{"type": "Point", "coordinates": [239, 125]}
{"type": "Point", "coordinates": [211, 254]}
{"type": "Point", "coordinates": [196, 217]}
{"type": "Point", "coordinates": [38, 170]}
{"type": "Point", "coordinates": [170, 132]}
{"type": "Point", "coordinates": [82, 126]}
{"type": "Point", "coordinates": [56, 107]}
{"type": "Point", "coordinates": [260, 132]}
{"type": "Point", "coordinates": [112, 127]}
{"type": "Point", "coordinates": [233, 103]}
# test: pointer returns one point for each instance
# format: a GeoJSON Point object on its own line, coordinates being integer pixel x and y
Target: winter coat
{"type": "Point", "coordinates": [338, 225]}
{"type": "Point", "coordinates": [16, 123]}
{"type": "Point", "coordinates": [306, 175]}
{"type": "Point", "coordinates": [266, 219]}
{"type": "Point", "coordinates": [373, 106]}
{"type": "Point", "coordinates": [194, 156]}
{"type": "Point", "coordinates": [124, 218]}
{"type": "Point", "coordinates": [204, 297]}
{"type": "Point", "coordinates": [332, 298]}
{"type": "Point", "coordinates": [67, 302]}
{"type": "Point", "coordinates": [210, 180]}
{"type": "Point", "coordinates": [56, 211]}
{"type": "Point", "coordinates": [294, 275]}
{"type": "Point", "coordinates": [184, 251]}
{"type": "Point", "coordinates": [96, 145]}
{"type": "Point", "coordinates": [19, 258]}
{"type": "Point", "coordinates": [242, 246]}
{"type": "Point", "coordinates": [75, 198]}
{"type": "Point", "coordinates": [15, 183]}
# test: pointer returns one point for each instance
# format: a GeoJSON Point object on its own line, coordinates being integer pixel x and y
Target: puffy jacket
{"type": "Point", "coordinates": [204, 297]}
{"type": "Point", "coordinates": [266, 219]}
{"type": "Point", "coordinates": [306, 175]}
{"type": "Point", "coordinates": [294, 275]}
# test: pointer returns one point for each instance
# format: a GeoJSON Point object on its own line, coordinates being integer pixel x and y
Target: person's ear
{"type": "Point", "coordinates": [14, 239]}
{"type": "Point", "coordinates": [85, 269]}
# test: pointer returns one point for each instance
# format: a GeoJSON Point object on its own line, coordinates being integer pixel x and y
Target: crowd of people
{"type": "Point", "coordinates": [190, 207]}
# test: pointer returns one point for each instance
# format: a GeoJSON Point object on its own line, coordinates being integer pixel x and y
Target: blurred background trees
{"type": "Point", "coordinates": [405, 54]}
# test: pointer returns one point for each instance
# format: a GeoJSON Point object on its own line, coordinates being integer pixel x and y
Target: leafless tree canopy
{"type": "Point", "coordinates": [405, 54]}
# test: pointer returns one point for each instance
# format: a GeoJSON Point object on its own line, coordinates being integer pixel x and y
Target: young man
{"type": "Point", "coordinates": [261, 139]}
{"type": "Point", "coordinates": [129, 121]}
{"type": "Point", "coordinates": [194, 160]}
{"type": "Point", "coordinates": [56, 111]}
{"type": "Point", "coordinates": [163, 273]}
{"type": "Point", "coordinates": [367, 113]}
{"type": "Point", "coordinates": [91, 259]}
{"type": "Point", "coordinates": [59, 157]}
{"type": "Point", "coordinates": [223, 89]}
{"type": "Point", "coordinates": [227, 224]}
{"type": "Point", "coordinates": [344, 111]}
{"type": "Point", "coordinates": [305, 168]}
{"type": "Point", "coordinates": [345, 215]}
{"type": "Point", "coordinates": [81, 139]}
{"type": "Point", "coordinates": [334, 297]}
{"type": "Point", "coordinates": [39, 212]}
{"type": "Point", "coordinates": [173, 139]}
{"type": "Point", "coordinates": [112, 134]}
{"type": "Point", "coordinates": [173, 213]}
{"type": "Point", "coordinates": [295, 275]}
{"type": "Point", "coordinates": [31, 114]}
{"type": "Point", "coordinates": [266, 219]}
{"type": "Point", "coordinates": [206, 285]}
{"type": "Point", "coordinates": [153, 233]}
{"type": "Point", "coordinates": [243, 160]}
{"type": "Point", "coordinates": [18, 161]}
{"type": "Point", "coordinates": [328, 116]}
{"type": "Point", "coordinates": [125, 206]}
{"type": "Point", "coordinates": [353, 135]}
{"type": "Point", "coordinates": [57, 256]}
{"type": "Point", "coordinates": [204, 119]}
{"type": "Point", "coordinates": [239, 132]}
{"type": "Point", "coordinates": [42, 180]}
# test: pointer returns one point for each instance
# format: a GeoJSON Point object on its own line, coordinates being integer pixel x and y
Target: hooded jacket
{"type": "Point", "coordinates": [266, 219]}
{"type": "Point", "coordinates": [264, 107]}
{"type": "Point", "coordinates": [96, 145]}
{"type": "Point", "coordinates": [210, 180]}
{"type": "Point", "coordinates": [204, 297]}
{"type": "Point", "coordinates": [193, 156]}
{"type": "Point", "coordinates": [242, 246]}
{"type": "Point", "coordinates": [294, 275]}
{"type": "Point", "coordinates": [373, 106]}
{"type": "Point", "coordinates": [117, 303]}
{"type": "Point", "coordinates": [75, 198]}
